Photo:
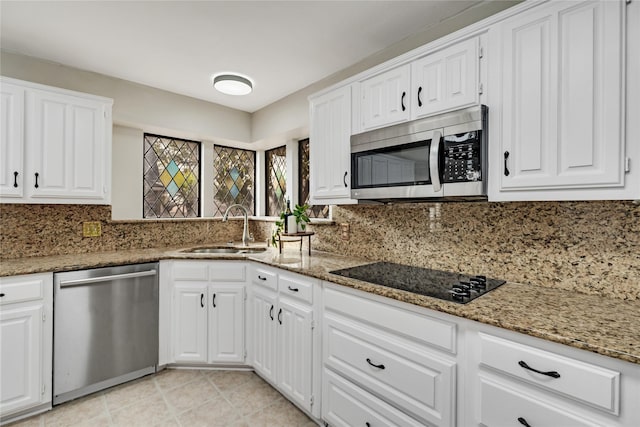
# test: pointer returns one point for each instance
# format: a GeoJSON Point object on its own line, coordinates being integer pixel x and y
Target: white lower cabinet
{"type": "Point", "coordinates": [284, 341]}
{"type": "Point", "coordinates": [523, 381]}
{"type": "Point", "coordinates": [26, 333]}
{"type": "Point", "coordinates": [206, 311]}
{"type": "Point", "coordinates": [365, 348]}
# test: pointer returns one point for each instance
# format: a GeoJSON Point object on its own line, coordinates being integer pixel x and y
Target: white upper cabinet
{"type": "Point", "coordinates": [330, 152]}
{"type": "Point", "coordinates": [446, 80]}
{"type": "Point", "coordinates": [385, 98]}
{"type": "Point", "coordinates": [11, 140]}
{"type": "Point", "coordinates": [57, 145]}
{"type": "Point", "coordinates": [557, 103]}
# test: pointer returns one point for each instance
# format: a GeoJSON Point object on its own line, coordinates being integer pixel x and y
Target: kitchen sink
{"type": "Point", "coordinates": [218, 250]}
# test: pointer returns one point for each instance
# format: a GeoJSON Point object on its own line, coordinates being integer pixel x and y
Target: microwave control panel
{"type": "Point", "coordinates": [462, 161]}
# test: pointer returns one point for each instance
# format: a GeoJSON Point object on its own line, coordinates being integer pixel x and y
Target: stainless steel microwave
{"type": "Point", "coordinates": [442, 156]}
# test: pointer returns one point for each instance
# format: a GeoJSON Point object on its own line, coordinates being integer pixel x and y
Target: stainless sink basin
{"type": "Point", "coordinates": [226, 250]}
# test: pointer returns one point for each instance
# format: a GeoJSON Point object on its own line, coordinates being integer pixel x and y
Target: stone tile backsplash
{"type": "Point", "coordinates": [589, 247]}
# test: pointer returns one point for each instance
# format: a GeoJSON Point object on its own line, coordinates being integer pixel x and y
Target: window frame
{"type": "Point", "coordinates": [255, 182]}
{"type": "Point", "coordinates": [267, 176]}
{"type": "Point", "coordinates": [200, 174]}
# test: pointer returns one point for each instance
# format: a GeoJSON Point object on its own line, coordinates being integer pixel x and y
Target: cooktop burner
{"type": "Point", "coordinates": [456, 287]}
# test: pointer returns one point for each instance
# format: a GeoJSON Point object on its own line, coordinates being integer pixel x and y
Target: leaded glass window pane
{"type": "Point", "coordinates": [276, 170]}
{"type": "Point", "coordinates": [171, 177]}
{"type": "Point", "coordinates": [234, 174]}
{"type": "Point", "coordinates": [315, 211]}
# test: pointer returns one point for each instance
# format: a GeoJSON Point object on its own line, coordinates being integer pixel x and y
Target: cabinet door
{"type": "Point", "coordinates": [226, 323]}
{"type": "Point", "coordinates": [385, 98]}
{"type": "Point", "coordinates": [446, 80]}
{"type": "Point", "coordinates": [562, 97]}
{"type": "Point", "coordinates": [20, 357]}
{"type": "Point", "coordinates": [263, 327]}
{"type": "Point", "coordinates": [295, 351]}
{"type": "Point", "coordinates": [190, 322]}
{"type": "Point", "coordinates": [67, 146]}
{"type": "Point", "coordinates": [11, 140]}
{"type": "Point", "coordinates": [330, 156]}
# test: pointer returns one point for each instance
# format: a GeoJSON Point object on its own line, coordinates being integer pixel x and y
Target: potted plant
{"type": "Point", "coordinates": [302, 219]}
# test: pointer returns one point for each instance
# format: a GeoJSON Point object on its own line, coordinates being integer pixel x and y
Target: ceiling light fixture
{"type": "Point", "coordinates": [232, 84]}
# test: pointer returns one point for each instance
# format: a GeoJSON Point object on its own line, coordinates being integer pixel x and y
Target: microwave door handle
{"type": "Point", "coordinates": [434, 156]}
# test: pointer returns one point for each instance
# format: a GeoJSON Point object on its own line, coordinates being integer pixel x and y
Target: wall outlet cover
{"type": "Point", "coordinates": [91, 229]}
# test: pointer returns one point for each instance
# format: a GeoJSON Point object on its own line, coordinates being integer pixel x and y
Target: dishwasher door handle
{"type": "Point", "coordinates": [81, 282]}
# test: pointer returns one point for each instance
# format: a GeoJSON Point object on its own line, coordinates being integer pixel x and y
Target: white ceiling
{"type": "Point", "coordinates": [177, 46]}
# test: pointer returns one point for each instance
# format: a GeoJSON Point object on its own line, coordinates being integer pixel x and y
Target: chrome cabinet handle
{"type": "Point", "coordinates": [552, 374]}
{"type": "Point", "coordinates": [402, 100]}
{"type": "Point", "coordinates": [344, 180]}
{"type": "Point", "coordinates": [506, 166]}
{"type": "Point", "coordinates": [15, 179]}
{"type": "Point", "coordinates": [380, 366]}
{"type": "Point", "coordinates": [80, 282]}
{"type": "Point", "coordinates": [419, 100]}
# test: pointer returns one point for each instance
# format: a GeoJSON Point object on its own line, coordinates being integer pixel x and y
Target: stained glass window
{"type": "Point", "coordinates": [234, 175]}
{"type": "Point", "coordinates": [315, 211]}
{"type": "Point", "coordinates": [171, 177]}
{"type": "Point", "coordinates": [276, 180]}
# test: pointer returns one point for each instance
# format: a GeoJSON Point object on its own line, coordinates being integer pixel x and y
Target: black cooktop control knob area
{"type": "Point", "coordinates": [479, 282]}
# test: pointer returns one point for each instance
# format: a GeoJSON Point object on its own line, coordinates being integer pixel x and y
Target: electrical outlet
{"type": "Point", "coordinates": [345, 231]}
{"type": "Point", "coordinates": [91, 229]}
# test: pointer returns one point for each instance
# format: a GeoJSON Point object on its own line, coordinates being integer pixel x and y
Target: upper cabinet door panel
{"type": "Point", "coordinates": [446, 80]}
{"type": "Point", "coordinates": [562, 97]}
{"type": "Point", "coordinates": [330, 132]}
{"type": "Point", "coordinates": [11, 140]}
{"type": "Point", "coordinates": [67, 137]}
{"type": "Point", "coordinates": [385, 98]}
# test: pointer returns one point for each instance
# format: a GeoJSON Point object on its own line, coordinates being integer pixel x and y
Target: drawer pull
{"type": "Point", "coordinates": [367, 423]}
{"type": "Point", "coordinates": [262, 278]}
{"type": "Point", "coordinates": [2, 294]}
{"type": "Point", "coordinates": [552, 374]}
{"type": "Point", "coordinates": [381, 366]}
{"type": "Point", "coordinates": [523, 422]}
{"type": "Point", "coordinates": [292, 289]}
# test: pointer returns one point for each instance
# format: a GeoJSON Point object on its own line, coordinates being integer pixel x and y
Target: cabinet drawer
{"type": "Point", "coordinates": [228, 272]}
{"type": "Point", "coordinates": [346, 405]}
{"type": "Point", "coordinates": [392, 368]}
{"type": "Point", "coordinates": [265, 278]}
{"type": "Point", "coordinates": [596, 386]}
{"type": "Point", "coordinates": [196, 270]}
{"type": "Point", "coordinates": [434, 332]}
{"type": "Point", "coordinates": [296, 288]}
{"type": "Point", "coordinates": [19, 289]}
{"type": "Point", "coordinates": [503, 406]}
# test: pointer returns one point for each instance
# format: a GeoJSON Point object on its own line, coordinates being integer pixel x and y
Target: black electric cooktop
{"type": "Point", "coordinates": [446, 285]}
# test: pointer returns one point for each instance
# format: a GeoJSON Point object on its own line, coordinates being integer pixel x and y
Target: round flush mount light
{"type": "Point", "coordinates": [232, 84]}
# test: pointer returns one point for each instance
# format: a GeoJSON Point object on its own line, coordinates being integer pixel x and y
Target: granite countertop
{"type": "Point", "coordinates": [602, 325]}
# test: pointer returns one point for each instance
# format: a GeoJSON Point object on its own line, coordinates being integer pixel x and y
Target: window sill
{"type": "Point", "coordinates": [314, 221]}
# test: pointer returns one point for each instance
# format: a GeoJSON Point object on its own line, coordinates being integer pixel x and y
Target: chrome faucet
{"type": "Point", "coordinates": [245, 232]}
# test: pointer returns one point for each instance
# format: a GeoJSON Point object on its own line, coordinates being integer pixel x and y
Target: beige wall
{"type": "Point", "coordinates": [289, 117]}
{"type": "Point", "coordinates": [135, 105]}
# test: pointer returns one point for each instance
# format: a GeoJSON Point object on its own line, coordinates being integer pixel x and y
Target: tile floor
{"type": "Point", "coordinates": [180, 397]}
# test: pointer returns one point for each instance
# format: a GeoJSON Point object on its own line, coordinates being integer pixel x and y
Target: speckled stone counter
{"type": "Point", "coordinates": [601, 325]}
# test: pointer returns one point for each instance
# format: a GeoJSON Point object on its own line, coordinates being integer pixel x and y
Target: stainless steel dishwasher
{"type": "Point", "coordinates": [105, 328]}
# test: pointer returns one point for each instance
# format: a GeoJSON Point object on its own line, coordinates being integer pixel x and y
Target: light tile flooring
{"type": "Point", "coordinates": [180, 397]}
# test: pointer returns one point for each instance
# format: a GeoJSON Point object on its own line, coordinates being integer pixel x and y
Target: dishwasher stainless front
{"type": "Point", "coordinates": [105, 328]}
